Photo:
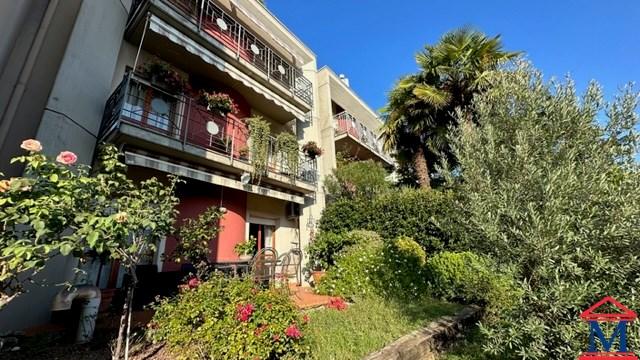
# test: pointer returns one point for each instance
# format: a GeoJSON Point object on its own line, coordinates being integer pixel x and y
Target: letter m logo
{"type": "Point", "coordinates": [619, 332]}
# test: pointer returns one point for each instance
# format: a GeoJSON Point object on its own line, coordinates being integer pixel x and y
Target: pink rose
{"type": "Point", "coordinates": [31, 145]}
{"type": "Point", "coordinates": [67, 158]}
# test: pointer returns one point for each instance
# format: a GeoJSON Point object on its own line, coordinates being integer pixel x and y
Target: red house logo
{"type": "Point", "coordinates": [621, 318]}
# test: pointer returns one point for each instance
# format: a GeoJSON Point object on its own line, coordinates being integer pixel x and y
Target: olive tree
{"type": "Point", "coordinates": [549, 183]}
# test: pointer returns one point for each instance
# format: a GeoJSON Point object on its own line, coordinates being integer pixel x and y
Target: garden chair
{"type": "Point", "coordinates": [296, 264]}
{"type": "Point", "coordinates": [263, 266]}
{"type": "Point", "coordinates": [284, 270]}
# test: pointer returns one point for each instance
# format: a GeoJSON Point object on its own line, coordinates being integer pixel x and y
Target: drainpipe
{"type": "Point", "coordinates": [90, 296]}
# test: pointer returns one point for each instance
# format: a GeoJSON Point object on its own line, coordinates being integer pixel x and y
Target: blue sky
{"type": "Point", "coordinates": [373, 42]}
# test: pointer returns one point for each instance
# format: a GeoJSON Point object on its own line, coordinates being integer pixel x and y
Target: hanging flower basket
{"type": "Point", "coordinates": [218, 103]}
{"type": "Point", "coordinates": [312, 150]}
{"type": "Point", "coordinates": [163, 76]}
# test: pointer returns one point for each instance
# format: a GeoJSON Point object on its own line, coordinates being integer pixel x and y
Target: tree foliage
{"type": "Point", "coordinates": [357, 179]}
{"type": "Point", "coordinates": [421, 107]}
{"type": "Point", "coordinates": [549, 183]}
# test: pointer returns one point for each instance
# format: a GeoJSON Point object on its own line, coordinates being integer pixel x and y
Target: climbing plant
{"type": "Point", "coordinates": [287, 148]}
{"type": "Point", "coordinates": [259, 131]}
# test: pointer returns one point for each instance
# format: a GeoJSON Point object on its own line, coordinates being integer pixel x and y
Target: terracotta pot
{"type": "Point", "coordinates": [317, 275]}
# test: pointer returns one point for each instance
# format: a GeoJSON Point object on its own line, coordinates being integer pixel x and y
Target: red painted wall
{"type": "Point", "coordinates": [196, 197]}
{"type": "Point", "coordinates": [233, 126]}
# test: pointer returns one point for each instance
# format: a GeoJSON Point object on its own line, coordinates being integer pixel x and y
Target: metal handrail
{"type": "Point", "coordinates": [212, 21]}
{"type": "Point", "coordinates": [138, 102]}
{"type": "Point", "coordinates": [346, 123]}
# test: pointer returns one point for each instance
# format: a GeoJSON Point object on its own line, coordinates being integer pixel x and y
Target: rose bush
{"type": "Point", "coordinates": [230, 319]}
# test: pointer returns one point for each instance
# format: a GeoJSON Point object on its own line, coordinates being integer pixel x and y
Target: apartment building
{"type": "Point", "coordinates": [90, 86]}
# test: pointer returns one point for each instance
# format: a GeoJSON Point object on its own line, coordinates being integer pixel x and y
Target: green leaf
{"type": "Point", "coordinates": [92, 238]}
{"type": "Point", "coordinates": [53, 177]}
{"type": "Point", "coordinates": [66, 249]}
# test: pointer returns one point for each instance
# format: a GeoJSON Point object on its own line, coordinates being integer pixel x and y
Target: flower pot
{"type": "Point", "coordinates": [317, 275]}
{"type": "Point", "coordinates": [245, 257]}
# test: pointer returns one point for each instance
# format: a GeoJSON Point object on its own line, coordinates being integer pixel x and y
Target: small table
{"type": "Point", "coordinates": [236, 266]}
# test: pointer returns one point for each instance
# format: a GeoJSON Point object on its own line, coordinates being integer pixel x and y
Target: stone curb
{"type": "Point", "coordinates": [425, 343]}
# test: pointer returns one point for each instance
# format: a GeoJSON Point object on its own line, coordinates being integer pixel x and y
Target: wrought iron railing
{"type": "Point", "coordinates": [214, 22]}
{"type": "Point", "coordinates": [346, 123]}
{"type": "Point", "coordinates": [138, 102]}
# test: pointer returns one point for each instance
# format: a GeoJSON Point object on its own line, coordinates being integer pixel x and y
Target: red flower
{"type": "Point", "coordinates": [293, 332]}
{"type": "Point", "coordinates": [193, 283]}
{"type": "Point", "coordinates": [244, 312]}
{"type": "Point", "coordinates": [305, 319]}
{"type": "Point", "coordinates": [337, 303]}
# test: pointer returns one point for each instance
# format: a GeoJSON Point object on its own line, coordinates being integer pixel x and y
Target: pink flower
{"type": "Point", "coordinates": [193, 283]}
{"type": "Point", "coordinates": [67, 158]}
{"type": "Point", "coordinates": [337, 303]}
{"type": "Point", "coordinates": [305, 319]}
{"type": "Point", "coordinates": [293, 332]}
{"type": "Point", "coordinates": [243, 312]}
{"type": "Point", "coordinates": [31, 145]}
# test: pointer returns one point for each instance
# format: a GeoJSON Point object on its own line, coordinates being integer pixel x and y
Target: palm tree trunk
{"type": "Point", "coordinates": [422, 168]}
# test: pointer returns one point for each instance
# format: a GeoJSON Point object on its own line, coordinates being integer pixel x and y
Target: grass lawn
{"type": "Point", "coordinates": [368, 325]}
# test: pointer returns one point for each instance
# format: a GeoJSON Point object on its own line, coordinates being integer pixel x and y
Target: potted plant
{"type": "Point", "coordinates": [245, 249]}
{"type": "Point", "coordinates": [219, 103]}
{"type": "Point", "coordinates": [243, 152]}
{"type": "Point", "coordinates": [312, 150]}
{"type": "Point", "coordinates": [317, 272]}
{"type": "Point", "coordinates": [164, 76]}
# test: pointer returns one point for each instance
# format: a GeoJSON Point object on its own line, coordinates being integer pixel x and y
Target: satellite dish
{"type": "Point", "coordinates": [254, 49]}
{"type": "Point", "coordinates": [245, 178]}
{"type": "Point", "coordinates": [212, 128]}
{"type": "Point", "coordinates": [159, 106]}
{"type": "Point", "coordinates": [281, 69]}
{"type": "Point", "coordinates": [222, 24]}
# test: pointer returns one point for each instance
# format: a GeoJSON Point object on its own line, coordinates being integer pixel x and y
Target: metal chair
{"type": "Point", "coordinates": [284, 270]}
{"type": "Point", "coordinates": [296, 264]}
{"type": "Point", "coordinates": [263, 266]}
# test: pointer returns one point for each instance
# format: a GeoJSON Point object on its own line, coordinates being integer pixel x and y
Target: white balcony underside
{"type": "Point", "coordinates": [162, 28]}
{"type": "Point", "coordinates": [192, 173]}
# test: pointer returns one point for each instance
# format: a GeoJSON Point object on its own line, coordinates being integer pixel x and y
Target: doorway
{"type": "Point", "coordinates": [264, 234]}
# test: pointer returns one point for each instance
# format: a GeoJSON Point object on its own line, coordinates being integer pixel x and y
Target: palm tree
{"type": "Point", "coordinates": [421, 107]}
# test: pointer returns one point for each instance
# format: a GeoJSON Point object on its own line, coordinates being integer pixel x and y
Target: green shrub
{"type": "Point", "coordinates": [428, 217]}
{"type": "Point", "coordinates": [468, 278]}
{"type": "Point", "coordinates": [392, 269]}
{"type": "Point", "coordinates": [229, 319]}
{"type": "Point", "coordinates": [324, 248]}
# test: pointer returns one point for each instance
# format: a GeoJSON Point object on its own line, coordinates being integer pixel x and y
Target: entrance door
{"type": "Point", "coordinates": [264, 234]}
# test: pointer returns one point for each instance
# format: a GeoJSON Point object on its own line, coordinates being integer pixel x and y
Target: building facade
{"type": "Point", "coordinates": [77, 75]}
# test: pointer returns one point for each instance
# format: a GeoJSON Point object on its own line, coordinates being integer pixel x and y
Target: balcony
{"type": "Point", "coordinates": [212, 22]}
{"type": "Point", "coordinates": [348, 127]}
{"type": "Point", "coordinates": [177, 125]}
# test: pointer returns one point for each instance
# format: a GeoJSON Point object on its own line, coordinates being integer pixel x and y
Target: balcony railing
{"type": "Point", "coordinates": [214, 22]}
{"type": "Point", "coordinates": [346, 123]}
{"type": "Point", "coordinates": [137, 102]}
